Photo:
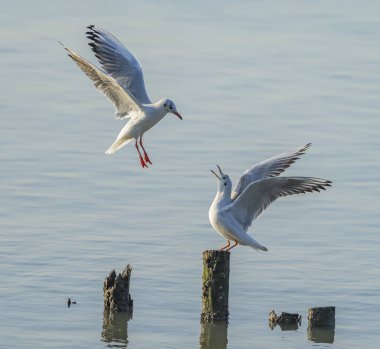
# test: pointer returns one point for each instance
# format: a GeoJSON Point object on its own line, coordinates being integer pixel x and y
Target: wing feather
{"type": "Point", "coordinates": [118, 62]}
{"type": "Point", "coordinates": [258, 195]}
{"type": "Point", "coordinates": [122, 100]}
{"type": "Point", "coordinates": [271, 167]}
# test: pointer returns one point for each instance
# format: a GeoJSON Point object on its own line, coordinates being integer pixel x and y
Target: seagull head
{"type": "Point", "coordinates": [170, 107]}
{"type": "Point", "coordinates": [224, 182]}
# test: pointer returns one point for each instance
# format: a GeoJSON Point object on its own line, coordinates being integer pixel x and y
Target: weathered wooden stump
{"type": "Point", "coordinates": [216, 274]}
{"type": "Point", "coordinates": [116, 291]}
{"type": "Point", "coordinates": [321, 316]}
{"type": "Point", "coordinates": [287, 321]}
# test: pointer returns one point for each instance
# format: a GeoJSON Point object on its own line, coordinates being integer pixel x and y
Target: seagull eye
{"type": "Point", "coordinates": [225, 183]}
{"type": "Point", "coordinates": [224, 177]}
{"type": "Point", "coordinates": [171, 107]}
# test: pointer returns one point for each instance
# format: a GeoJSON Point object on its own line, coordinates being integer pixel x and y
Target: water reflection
{"type": "Point", "coordinates": [214, 336]}
{"type": "Point", "coordinates": [321, 334]}
{"type": "Point", "coordinates": [115, 329]}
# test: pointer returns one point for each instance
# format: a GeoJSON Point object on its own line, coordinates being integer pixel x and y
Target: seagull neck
{"type": "Point", "coordinates": [157, 110]}
{"type": "Point", "coordinates": [223, 197]}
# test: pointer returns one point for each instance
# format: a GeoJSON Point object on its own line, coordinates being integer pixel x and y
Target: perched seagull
{"type": "Point", "coordinates": [231, 214]}
{"type": "Point", "coordinates": [121, 80]}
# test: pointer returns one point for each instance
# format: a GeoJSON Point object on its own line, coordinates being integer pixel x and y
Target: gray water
{"type": "Point", "coordinates": [252, 79]}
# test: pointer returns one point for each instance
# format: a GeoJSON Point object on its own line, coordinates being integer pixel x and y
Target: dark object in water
{"type": "Point", "coordinates": [321, 327]}
{"type": "Point", "coordinates": [287, 321]}
{"type": "Point", "coordinates": [321, 316]}
{"type": "Point", "coordinates": [116, 291]}
{"type": "Point", "coordinates": [69, 302]}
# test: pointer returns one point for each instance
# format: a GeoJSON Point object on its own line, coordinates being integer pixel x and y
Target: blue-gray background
{"type": "Point", "coordinates": [252, 79]}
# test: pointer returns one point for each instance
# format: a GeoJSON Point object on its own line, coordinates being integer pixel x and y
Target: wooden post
{"type": "Point", "coordinates": [116, 291]}
{"type": "Point", "coordinates": [216, 274]}
{"type": "Point", "coordinates": [321, 316]}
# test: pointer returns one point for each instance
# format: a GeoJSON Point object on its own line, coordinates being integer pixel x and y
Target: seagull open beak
{"type": "Point", "coordinates": [215, 174]}
{"type": "Point", "coordinates": [220, 171]}
{"type": "Point", "coordinates": [178, 114]}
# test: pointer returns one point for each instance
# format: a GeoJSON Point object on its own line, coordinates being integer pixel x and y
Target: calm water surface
{"type": "Point", "coordinates": [252, 79]}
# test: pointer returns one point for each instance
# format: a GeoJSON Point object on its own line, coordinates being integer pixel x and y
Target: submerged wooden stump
{"type": "Point", "coordinates": [287, 321]}
{"type": "Point", "coordinates": [321, 316]}
{"type": "Point", "coordinates": [216, 274]}
{"type": "Point", "coordinates": [116, 291]}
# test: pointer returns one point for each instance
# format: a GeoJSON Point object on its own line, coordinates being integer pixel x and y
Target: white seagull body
{"type": "Point", "coordinates": [233, 211]}
{"type": "Point", "coordinates": [121, 80]}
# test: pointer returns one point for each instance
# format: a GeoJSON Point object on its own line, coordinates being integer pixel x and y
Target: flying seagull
{"type": "Point", "coordinates": [120, 78]}
{"type": "Point", "coordinates": [232, 212]}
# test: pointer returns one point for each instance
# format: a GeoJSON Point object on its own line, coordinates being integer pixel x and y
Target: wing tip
{"type": "Point", "coordinates": [303, 149]}
{"type": "Point", "coordinates": [60, 42]}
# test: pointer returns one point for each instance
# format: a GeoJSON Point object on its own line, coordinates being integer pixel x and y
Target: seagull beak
{"type": "Point", "coordinates": [220, 171]}
{"type": "Point", "coordinates": [215, 174]}
{"type": "Point", "coordinates": [178, 114]}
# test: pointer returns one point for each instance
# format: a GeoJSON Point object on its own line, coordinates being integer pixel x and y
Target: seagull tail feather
{"type": "Point", "coordinates": [254, 244]}
{"type": "Point", "coordinates": [119, 143]}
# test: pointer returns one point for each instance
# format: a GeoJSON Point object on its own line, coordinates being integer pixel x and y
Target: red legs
{"type": "Point", "coordinates": [146, 157]}
{"type": "Point", "coordinates": [232, 246]}
{"type": "Point", "coordinates": [143, 164]}
{"type": "Point", "coordinates": [228, 245]}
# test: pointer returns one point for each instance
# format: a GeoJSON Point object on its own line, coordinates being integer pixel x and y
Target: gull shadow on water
{"type": "Point", "coordinates": [321, 334]}
{"type": "Point", "coordinates": [214, 335]}
{"type": "Point", "coordinates": [115, 329]}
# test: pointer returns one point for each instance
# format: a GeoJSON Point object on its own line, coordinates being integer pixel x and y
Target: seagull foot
{"type": "Point", "coordinates": [143, 164]}
{"type": "Point", "coordinates": [147, 159]}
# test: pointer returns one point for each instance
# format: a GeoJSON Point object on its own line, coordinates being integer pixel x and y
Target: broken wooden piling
{"type": "Point", "coordinates": [321, 316]}
{"type": "Point", "coordinates": [321, 327]}
{"type": "Point", "coordinates": [116, 291]}
{"type": "Point", "coordinates": [216, 274]}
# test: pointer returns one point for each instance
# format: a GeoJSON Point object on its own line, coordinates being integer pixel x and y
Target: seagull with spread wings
{"type": "Point", "coordinates": [233, 210]}
{"type": "Point", "coordinates": [120, 78]}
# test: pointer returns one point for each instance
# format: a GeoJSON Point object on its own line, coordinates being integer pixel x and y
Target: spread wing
{"type": "Point", "coordinates": [271, 167]}
{"type": "Point", "coordinates": [122, 100]}
{"type": "Point", "coordinates": [118, 62]}
{"type": "Point", "coordinates": [260, 194]}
